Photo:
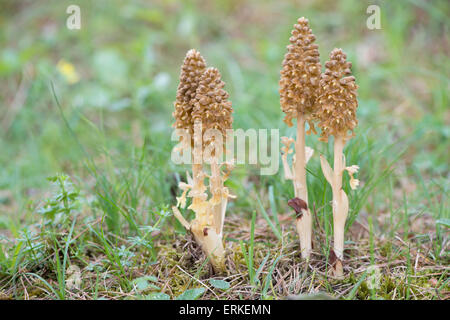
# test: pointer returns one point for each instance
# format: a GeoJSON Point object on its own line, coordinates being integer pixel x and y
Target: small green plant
{"type": "Point", "coordinates": [249, 253]}
{"type": "Point", "coordinates": [57, 209]}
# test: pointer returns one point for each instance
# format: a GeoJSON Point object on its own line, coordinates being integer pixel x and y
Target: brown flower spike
{"type": "Point", "coordinates": [337, 99]}
{"type": "Point", "coordinates": [337, 116]}
{"type": "Point", "coordinates": [210, 105]}
{"type": "Point", "coordinates": [201, 100]}
{"type": "Point", "coordinates": [300, 74]}
{"type": "Point", "coordinates": [191, 71]}
{"type": "Point", "coordinates": [299, 84]}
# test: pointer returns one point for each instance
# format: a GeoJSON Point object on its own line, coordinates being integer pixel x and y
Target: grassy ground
{"type": "Point", "coordinates": [100, 226]}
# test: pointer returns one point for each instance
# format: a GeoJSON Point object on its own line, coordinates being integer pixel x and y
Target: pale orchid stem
{"type": "Point", "coordinates": [300, 161]}
{"type": "Point", "coordinates": [340, 203]}
{"type": "Point", "coordinates": [197, 183]}
{"type": "Point", "coordinates": [304, 221]}
{"type": "Point", "coordinates": [205, 234]}
{"type": "Point", "coordinates": [212, 245]}
{"type": "Point", "coordinates": [180, 218]}
{"type": "Point", "coordinates": [223, 211]}
{"type": "Point", "coordinates": [216, 188]}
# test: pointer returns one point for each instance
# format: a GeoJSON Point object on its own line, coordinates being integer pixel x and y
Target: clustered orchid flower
{"type": "Point", "coordinates": [330, 98]}
{"type": "Point", "coordinates": [299, 83]}
{"type": "Point", "coordinates": [201, 105]}
{"type": "Point", "coordinates": [337, 117]}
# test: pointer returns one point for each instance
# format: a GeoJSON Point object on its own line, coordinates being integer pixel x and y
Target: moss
{"type": "Point", "coordinates": [363, 291]}
{"type": "Point", "coordinates": [420, 286]}
{"type": "Point", "coordinates": [386, 249]}
{"type": "Point", "coordinates": [169, 258]}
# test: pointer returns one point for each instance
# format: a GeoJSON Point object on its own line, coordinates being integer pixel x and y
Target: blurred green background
{"type": "Point", "coordinates": [116, 81]}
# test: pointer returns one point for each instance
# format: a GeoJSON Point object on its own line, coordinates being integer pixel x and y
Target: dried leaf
{"type": "Point", "coordinates": [298, 205]}
{"type": "Point", "coordinates": [74, 280]}
{"type": "Point", "coordinates": [332, 258]}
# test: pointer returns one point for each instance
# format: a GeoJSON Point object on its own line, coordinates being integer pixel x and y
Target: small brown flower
{"type": "Point", "coordinates": [300, 74]}
{"type": "Point", "coordinates": [191, 71]}
{"type": "Point", "coordinates": [337, 97]}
